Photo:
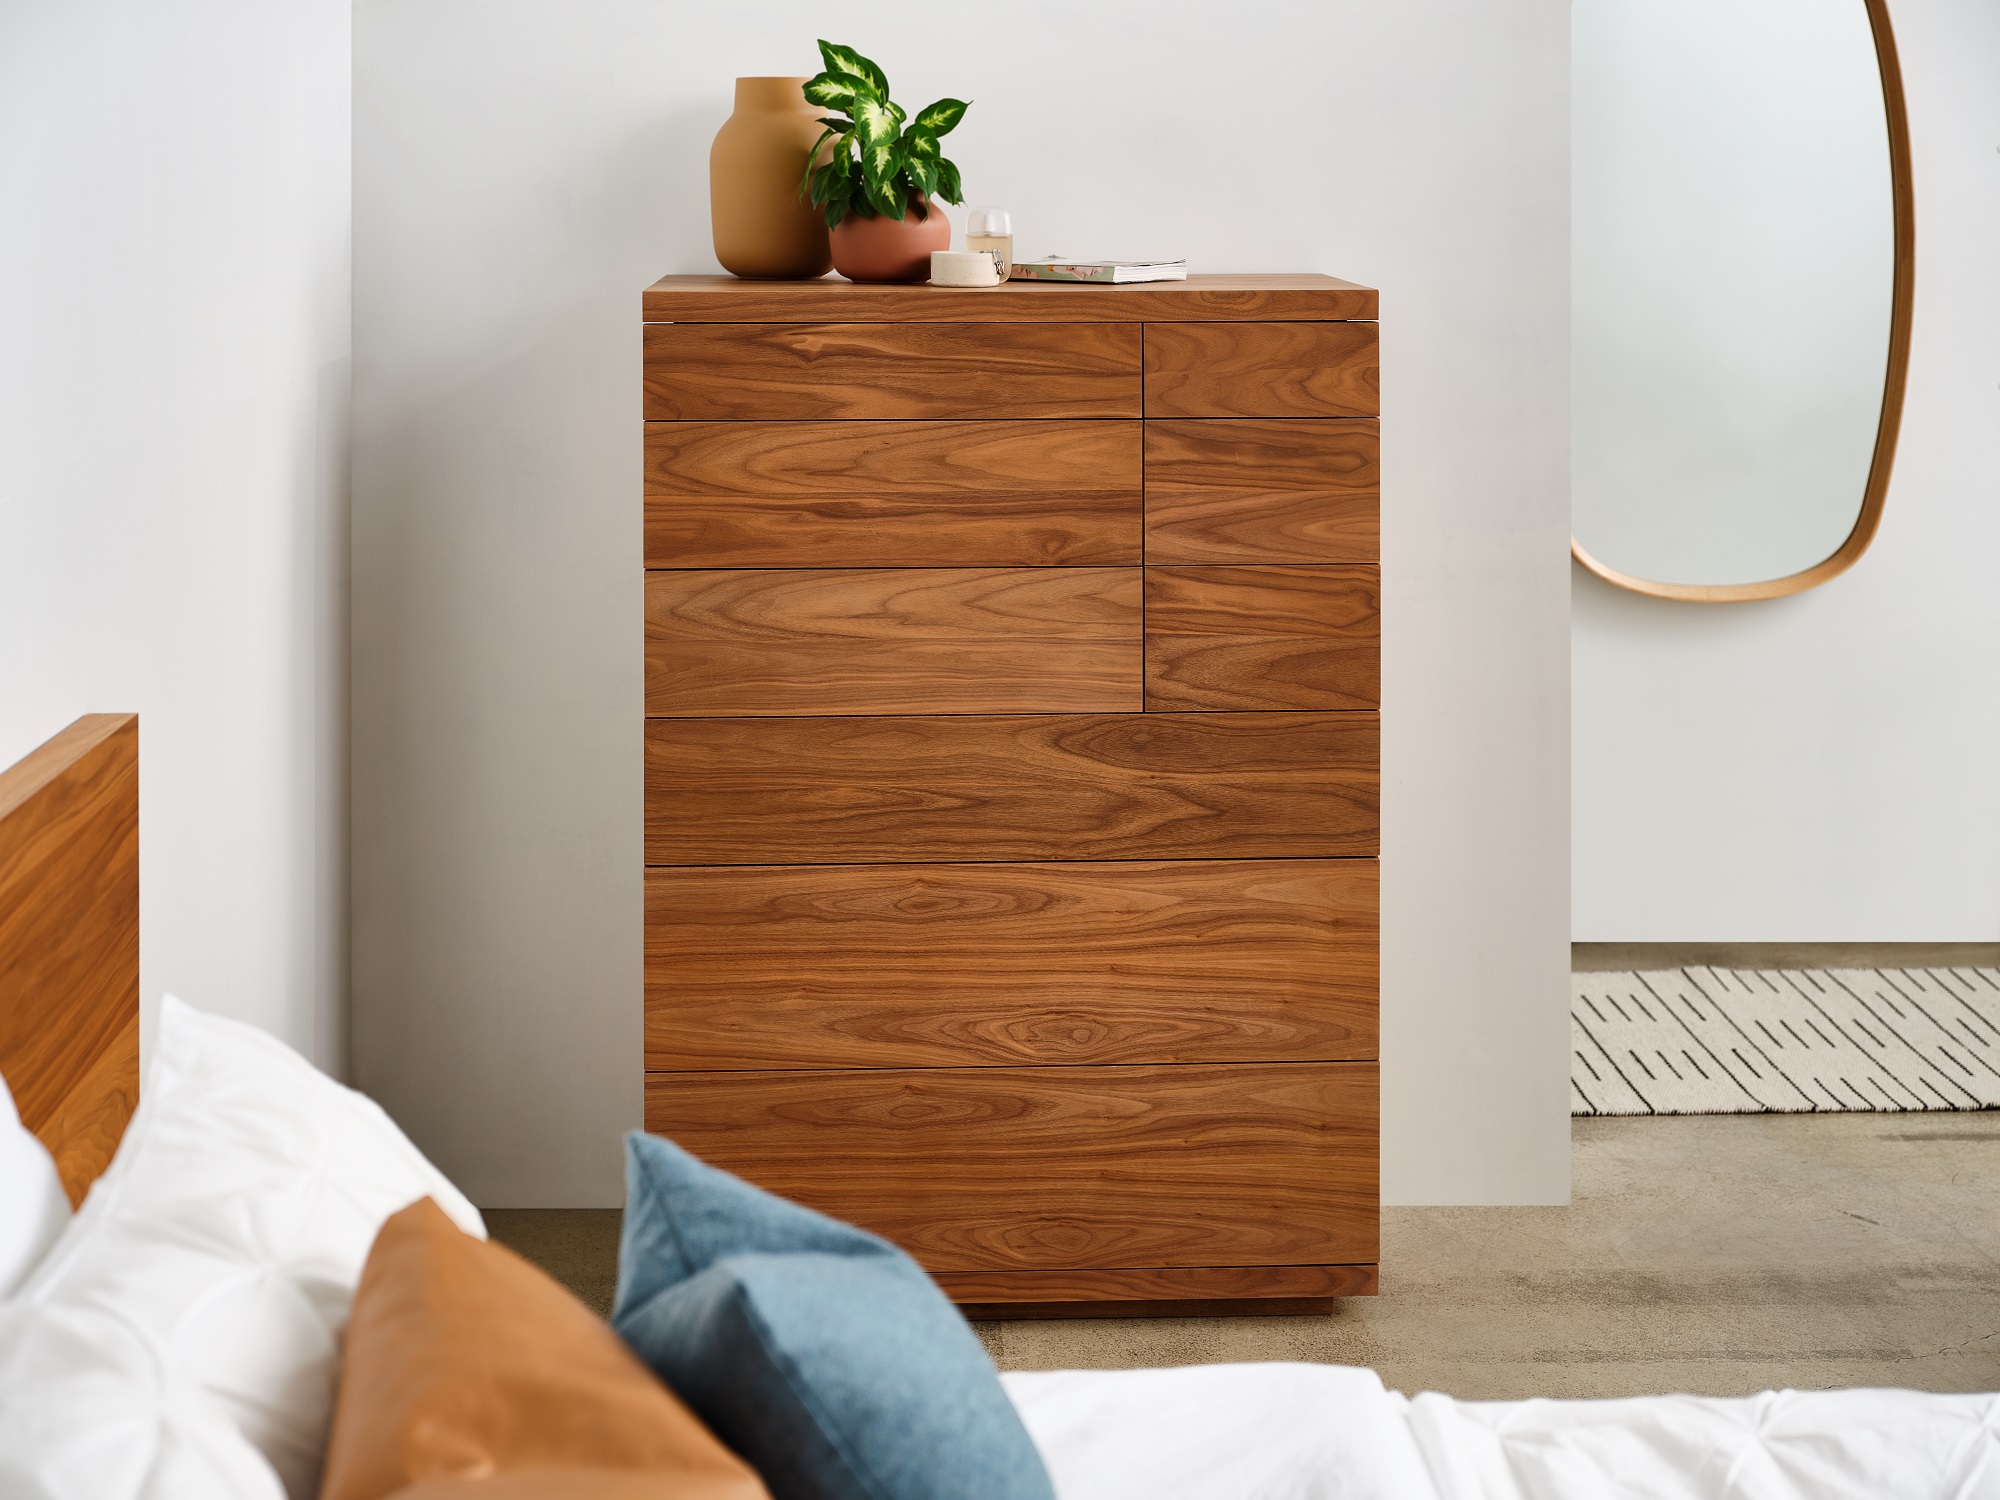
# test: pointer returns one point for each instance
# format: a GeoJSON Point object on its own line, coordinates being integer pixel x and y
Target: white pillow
{"type": "Point", "coordinates": [89, 1412]}
{"type": "Point", "coordinates": [33, 1206]}
{"type": "Point", "coordinates": [224, 1242]}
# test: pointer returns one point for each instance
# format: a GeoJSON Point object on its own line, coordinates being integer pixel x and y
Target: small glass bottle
{"type": "Point", "coordinates": [990, 229]}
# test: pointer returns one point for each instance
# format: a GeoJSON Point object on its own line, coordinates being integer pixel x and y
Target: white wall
{"type": "Point", "coordinates": [173, 390]}
{"type": "Point", "coordinates": [1826, 768]}
{"type": "Point", "coordinates": [524, 168]}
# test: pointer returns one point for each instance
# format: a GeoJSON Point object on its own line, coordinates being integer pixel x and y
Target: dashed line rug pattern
{"type": "Point", "coordinates": [1704, 1041]}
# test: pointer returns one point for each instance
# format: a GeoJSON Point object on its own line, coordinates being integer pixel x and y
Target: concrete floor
{"type": "Point", "coordinates": [1719, 1255]}
{"type": "Point", "coordinates": [577, 1246]}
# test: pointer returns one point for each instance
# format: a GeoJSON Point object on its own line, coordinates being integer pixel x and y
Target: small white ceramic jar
{"type": "Point", "coordinates": [963, 268]}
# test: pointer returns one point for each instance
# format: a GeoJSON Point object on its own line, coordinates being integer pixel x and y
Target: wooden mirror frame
{"type": "Point", "coordinates": [1902, 298]}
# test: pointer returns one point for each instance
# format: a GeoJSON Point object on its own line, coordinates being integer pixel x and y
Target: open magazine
{"type": "Point", "coordinates": [1054, 269]}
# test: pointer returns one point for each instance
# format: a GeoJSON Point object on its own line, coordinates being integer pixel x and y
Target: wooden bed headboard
{"type": "Point", "coordinates": [69, 941]}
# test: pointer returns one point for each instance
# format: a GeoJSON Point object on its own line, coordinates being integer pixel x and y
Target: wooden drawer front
{"type": "Point", "coordinates": [1144, 1291]}
{"type": "Point", "coordinates": [1284, 491]}
{"type": "Point", "coordinates": [1026, 1168]}
{"type": "Point", "coordinates": [1261, 370]}
{"type": "Point", "coordinates": [806, 371]}
{"type": "Point", "coordinates": [891, 494]}
{"type": "Point", "coordinates": [893, 640]}
{"type": "Point", "coordinates": [884, 966]}
{"type": "Point", "coordinates": [1240, 638]}
{"type": "Point", "coordinates": [772, 791]}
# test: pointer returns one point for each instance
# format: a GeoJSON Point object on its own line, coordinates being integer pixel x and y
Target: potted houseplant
{"type": "Point", "coordinates": [876, 186]}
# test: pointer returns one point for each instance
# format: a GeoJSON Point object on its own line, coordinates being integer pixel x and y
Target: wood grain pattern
{"type": "Point", "coordinates": [882, 966]}
{"type": "Point", "coordinates": [1156, 1291]}
{"type": "Point", "coordinates": [69, 940]}
{"type": "Point", "coordinates": [1057, 1168]}
{"type": "Point", "coordinates": [963, 920]}
{"type": "Point", "coordinates": [1221, 490]}
{"type": "Point", "coordinates": [893, 640]}
{"type": "Point", "coordinates": [84, 1128]}
{"type": "Point", "coordinates": [1061, 787]}
{"type": "Point", "coordinates": [1263, 637]}
{"type": "Point", "coordinates": [1261, 370]}
{"type": "Point", "coordinates": [892, 494]}
{"type": "Point", "coordinates": [817, 371]}
{"type": "Point", "coordinates": [1233, 298]}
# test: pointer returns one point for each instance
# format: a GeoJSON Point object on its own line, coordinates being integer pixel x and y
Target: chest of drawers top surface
{"type": "Point", "coordinates": [1199, 299]}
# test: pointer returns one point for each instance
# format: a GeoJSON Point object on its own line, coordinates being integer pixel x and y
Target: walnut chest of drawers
{"type": "Point", "coordinates": [1011, 774]}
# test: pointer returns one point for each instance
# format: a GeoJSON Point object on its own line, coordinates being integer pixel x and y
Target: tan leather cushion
{"type": "Point", "coordinates": [561, 1484]}
{"type": "Point", "coordinates": [464, 1363]}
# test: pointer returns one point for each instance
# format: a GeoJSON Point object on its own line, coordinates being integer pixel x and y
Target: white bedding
{"type": "Point", "coordinates": [1327, 1432]}
{"type": "Point", "coordinates": [180, 1340]}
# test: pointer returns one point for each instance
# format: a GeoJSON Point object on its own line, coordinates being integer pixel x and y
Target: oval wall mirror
{"type": "Point", "coordinates": [1741, 296]}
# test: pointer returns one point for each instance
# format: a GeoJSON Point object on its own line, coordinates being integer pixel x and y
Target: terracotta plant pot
{"type": "Point", "coordinates": [763, 229]}
{"type": "Point", "coordinates": [881, 249]}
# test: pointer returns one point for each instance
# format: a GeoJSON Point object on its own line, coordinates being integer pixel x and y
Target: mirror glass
{"type": "Point", "coordinates": [1734, 242]}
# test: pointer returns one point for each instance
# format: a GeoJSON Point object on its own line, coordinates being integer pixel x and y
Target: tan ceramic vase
{"type": "Point", "coordinates": [881, 249]}
{"type": "Point", "coordinates": [763, 228]}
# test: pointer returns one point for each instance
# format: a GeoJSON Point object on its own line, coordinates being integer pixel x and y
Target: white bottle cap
{"type": "Point", "coordinates": [988, 221]}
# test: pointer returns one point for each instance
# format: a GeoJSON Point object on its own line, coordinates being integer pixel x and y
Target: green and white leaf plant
{"type": "Point", "coordinates": [884, 162]}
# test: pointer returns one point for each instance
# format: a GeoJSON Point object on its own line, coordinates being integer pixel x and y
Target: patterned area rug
{"type": "Point", "coordinates": [1706, 1041]}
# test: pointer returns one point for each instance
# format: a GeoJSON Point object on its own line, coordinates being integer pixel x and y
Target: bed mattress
{"type": "Point", "coordinates": [1327, 1432]}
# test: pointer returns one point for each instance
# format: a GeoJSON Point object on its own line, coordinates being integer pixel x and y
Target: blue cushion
{"type": "Point", "coordinates": [823, 1355]}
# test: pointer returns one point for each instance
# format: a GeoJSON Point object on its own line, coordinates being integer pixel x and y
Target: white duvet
{"type": "Point", "coordinates": [1328, 1432]}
